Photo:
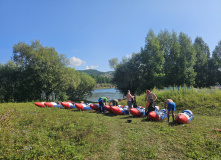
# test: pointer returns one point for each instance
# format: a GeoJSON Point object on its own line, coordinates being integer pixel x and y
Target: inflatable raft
{"type": "Point", "coordinates": [140, 111]}
{"type": "Point", "coordinates": [107, 108]}
{"type": "Point", "coordinates": [119, 109]}
{"type": "Point", "coordinates": [83, 106]}
{"type": "Point", "coordinates": [95, 107]}
{"type": "Point", "coordinates": [68, 105]}
{"type": "Point", "coordinates": [40, 104]}
{"type": "Point", "coordinates": [158, 115]}
{"type": "Point", "coordinates": [53, 104]}
{"type": "Point", "coordinates": [185, 117]}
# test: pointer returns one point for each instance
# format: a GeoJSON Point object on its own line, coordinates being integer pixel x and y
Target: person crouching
{"type": "Point", "coordinates": [102, 101]}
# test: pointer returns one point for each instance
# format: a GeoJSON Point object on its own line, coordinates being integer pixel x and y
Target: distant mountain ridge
{"type": "Point", "coordinates": [98, 73]}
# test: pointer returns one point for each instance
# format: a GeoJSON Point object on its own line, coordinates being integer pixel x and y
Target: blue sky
{"type": "Point", "coordinates": [90, 32]}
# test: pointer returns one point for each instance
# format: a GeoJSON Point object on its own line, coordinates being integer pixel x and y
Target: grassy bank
{"type": "Point", "coordinates": [200, 101]}
{"type": "Point", "coordinates": [30, 132]}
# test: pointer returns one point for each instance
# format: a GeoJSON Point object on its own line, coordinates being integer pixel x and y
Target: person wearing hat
{"type": "Point", "coordinates": [114, 102]}
{"type": "Point", "coordinates": [150, 98]}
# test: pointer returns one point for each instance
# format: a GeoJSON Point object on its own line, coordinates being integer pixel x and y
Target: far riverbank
{"type": "Point", "coordinates": [104, 85]}
{"type": "Point", "coordinates": [112, 93]}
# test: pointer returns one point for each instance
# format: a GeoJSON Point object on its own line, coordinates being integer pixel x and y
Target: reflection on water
{"type": "Point", "coordinates": [112, 93]}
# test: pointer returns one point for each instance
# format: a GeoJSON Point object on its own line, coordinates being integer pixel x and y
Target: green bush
{"type": "Point", "coordinates": [199, 101]}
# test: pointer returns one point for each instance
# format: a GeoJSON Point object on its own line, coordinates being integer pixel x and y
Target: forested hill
{"type": "Point", "coordinates": [100, 77]}
{"type": "Point", "coordinates": [98, 73]}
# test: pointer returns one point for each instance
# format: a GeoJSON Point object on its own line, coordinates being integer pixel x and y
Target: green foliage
{"type": "Point", "coordinates": [199, 101]}
{"type": "Point", "coordinates": [97, 73]}
{"type": "Point", "coordinates": [202, 60]}
{"type": "Point", "coordinates": [37, 70]}
{"type": "Point", "coordinates": [169, 60]}
{"type": "Point", "coordinates": [8, 81]}
{"type": "Point", "coordinates": [152, 60]}
{"type": "Point", "coordinates": [30, 132]}
{"type": "Point", "coordinates": [101, 79]}
{"type": "Point", "coordinates": [186, 61]}
{"type": "Point", "coordinates": [215, 64]}
{"type": "Point", "coordinates": [87, 84]}
{"type": "Point", "coordinates": [113, 62]}
{"type": "Point", "coordinates": [127, 75]}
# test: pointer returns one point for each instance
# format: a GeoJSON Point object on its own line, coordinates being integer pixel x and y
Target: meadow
{"type": "Point", "coordinates": [30, 132]}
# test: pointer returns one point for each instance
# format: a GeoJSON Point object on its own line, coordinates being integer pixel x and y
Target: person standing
{"type": "Point", "coordinates": [102, 101]}
{"type": "Point", "coordinates": [134, 102]}
{"type": "Point", "coordinates": [150, 98]}
{"type": "Point", "coordinates": [129, 100]}
{"type": "Point", "coordinates": [171, 106]}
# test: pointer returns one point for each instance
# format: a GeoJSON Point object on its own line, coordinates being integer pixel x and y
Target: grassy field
{"type": "Point", "coordinates": [30, 132]}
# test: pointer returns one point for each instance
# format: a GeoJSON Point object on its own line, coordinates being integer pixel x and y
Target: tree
{"type": "Point", "coordinates": [121, 77]}
{"type": "Point", "coordinates": [201, 66]}
{"type": "Point", "coordinates": [165, 40]}
{"type": "Point", "coordinates": [172, 67]}
{"type": "Point", "coordinates": [135, 75]}
{"type": "Point", "coordinates": [186, 61]}
{"type": "Point", "coordinates": [113, 62]}
{"type": "Point", "coordinates": [41, 69]}
{"type": "Point", "coordinates": [70, 83]}
{"type": "Point", "coordinates": [215, 65]}
{"type": "Point", "coordinates": [86, 85]}
{"type": "Point", "coordinates": [8, 81]}
{"type": "Point", "coordinates": [152, 63]}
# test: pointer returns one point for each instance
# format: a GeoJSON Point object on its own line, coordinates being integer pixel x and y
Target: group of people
{"type": "Point", "coordinates": [168, 104]}
{"type": "Point", "coordinates": [150, 98]}
{"type": "Point", "coordinates": [103, 101]}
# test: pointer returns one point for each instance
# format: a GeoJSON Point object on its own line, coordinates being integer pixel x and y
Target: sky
{"type": "Point", "coordinates": [91, 32]}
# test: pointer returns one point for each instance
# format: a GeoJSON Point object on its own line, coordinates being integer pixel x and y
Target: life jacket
{"type": "Point", "coordinates": [151, 106]}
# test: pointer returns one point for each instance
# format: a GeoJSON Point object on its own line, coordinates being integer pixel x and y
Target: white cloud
{"type": "Point", "coordinates": [76, 61]}
{"type": "Point", "coordinates": [91, 67]}
{"type": "Point", "coordinates": [129, 55]}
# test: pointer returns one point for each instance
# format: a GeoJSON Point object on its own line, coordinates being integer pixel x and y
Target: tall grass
{"type": "Point", "coordinates": [200, 101]}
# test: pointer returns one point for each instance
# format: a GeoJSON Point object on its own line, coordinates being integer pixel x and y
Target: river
{"type": "Point", "coordinates": [112, 93]}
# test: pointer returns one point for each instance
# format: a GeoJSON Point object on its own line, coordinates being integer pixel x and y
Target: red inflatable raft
{"type": "Point", "coordinates": [83, 106]}
{"type": "Point", "coordinates": [157, 115]}
{"type": "Point", "coordinates": [185, 117]}
{"type": "Point", "coordinates": [119, 110]}
{"type": "Point", "coordinates": [68, 105]}
{"type": "Point", "coordinates": [40, 104]}
{"type": "Point", "coordinates": [50, 104]}
{"type": "Point", "coordinates": [95, 107]}
{"type": "Point", "coordinates": [107, 108]}
{"type": "Point", "coordinates": [138, 112]}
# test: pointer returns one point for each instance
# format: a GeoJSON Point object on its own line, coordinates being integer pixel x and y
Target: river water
{"type": "Point", "coordinates": [112, 93]}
